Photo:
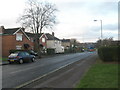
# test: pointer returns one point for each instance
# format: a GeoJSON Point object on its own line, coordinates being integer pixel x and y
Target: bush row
{"type": "Point", "coordinates": [109, 53]}
{"type": "Point", "coordinates": [49, 51]}
{"type": "Point", "coordinates": [14, 50]}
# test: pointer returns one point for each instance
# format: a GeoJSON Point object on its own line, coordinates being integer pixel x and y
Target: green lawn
{"type": "Point", "coordinates": [100, 75]}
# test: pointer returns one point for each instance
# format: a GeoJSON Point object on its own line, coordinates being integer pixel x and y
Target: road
{"type": "Point", "coordinates": [15, 75]}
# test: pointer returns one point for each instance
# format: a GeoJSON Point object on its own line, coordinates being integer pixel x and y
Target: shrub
{"type": "Point", "coordinates": [66, 51]}
{"type": "Point", "coordinates": [109, 53]}
{"type": "Point", "coordinates": [118, 54]}
{"type": "Point", "coordinates": [70, 50]}
{"type": "Point", "coordinates": [14, 50]}
{"type": "Point", "coordinates": [50, 51]}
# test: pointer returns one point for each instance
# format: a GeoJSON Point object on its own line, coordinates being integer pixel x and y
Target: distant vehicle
{"type": "Point", "coordinates": [82, 50]}
{"type": "Point", "coordinates": [21, 57]}
{"type": "Point", "coordinates": [91, 49]}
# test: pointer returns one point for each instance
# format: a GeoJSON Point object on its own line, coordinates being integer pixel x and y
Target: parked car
{"type": "Point", "coordinates": [21, 57]}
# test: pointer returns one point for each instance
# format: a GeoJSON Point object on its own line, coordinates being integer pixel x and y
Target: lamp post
{"type": "Point", "coordinates": [101, 29]}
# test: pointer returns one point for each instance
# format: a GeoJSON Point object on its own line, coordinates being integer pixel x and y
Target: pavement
{"type": "Point", "coordinates": [4, 63]}
{"type": "Point", "coordinates": [67, 77]}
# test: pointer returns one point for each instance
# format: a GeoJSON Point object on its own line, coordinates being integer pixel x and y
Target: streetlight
{"type": "Point", "coordinates": [101, 28]}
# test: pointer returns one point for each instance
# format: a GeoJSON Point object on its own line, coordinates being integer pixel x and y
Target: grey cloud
{"type": "Point", "coordinates": [72, 4]}
{"type": "Point", "coordinates": [88, 34]}
{"type": "Point", "coordinates": [94, 31]}
{"type": "Point", "coordinates": [110, 27]}
{"type": "Point", "coordinates": [94, 8]}
{"type": "Point", "coordinates": [109, 6]}
{"type": "Point", "coordinates": [104, 8]}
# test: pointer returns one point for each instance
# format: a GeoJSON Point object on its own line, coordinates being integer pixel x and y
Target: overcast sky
{"type": "Point", "coordinates": [76, 18]}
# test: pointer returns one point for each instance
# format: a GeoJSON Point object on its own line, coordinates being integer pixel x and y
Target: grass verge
{"type": "Point", "coordinates": [100, 75]}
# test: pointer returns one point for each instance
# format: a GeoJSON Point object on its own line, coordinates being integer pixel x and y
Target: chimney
{"type": "Point", "coordinates": [53, 33]}
{"type": "Point", "coordinates": [2, 29]}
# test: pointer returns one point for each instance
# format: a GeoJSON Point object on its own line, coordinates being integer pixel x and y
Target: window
{"type": "Point", "coordinates": [19, 37]}
{"type": "Point", "coordinates": [43, 39]}
{"type": "Point", "coordinates": [44, 47]}
{"type": "Point", "coordinates": [60, 42]}
{"type": "Point", "coordinates": [55, 42]}
{"type": "Point", "coordinates": [32, 40]}
{"type": "Point", "coordinates": [18, 47]}
{"type": "Point", "coordinates": [26, 53]}
{"type": "Point", "coordinates": [21, 54]}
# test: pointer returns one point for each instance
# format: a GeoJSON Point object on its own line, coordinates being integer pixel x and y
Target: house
{"type": "Point", "coordinates": [16, 38]}
{"type": "Point", "coordinates": [13, 38]}
{"type": "Point", "coordinates": [48, 41]}
{"type": "Point", "coordinates": [66, 43]}
{"type": "Point", "coordinates": [54, 42]}
{"type": "Point", "coordinates": [42, 39]}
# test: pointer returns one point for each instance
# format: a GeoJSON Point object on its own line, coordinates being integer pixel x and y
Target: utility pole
{"type": "Point", "coordinates": [101, 32]}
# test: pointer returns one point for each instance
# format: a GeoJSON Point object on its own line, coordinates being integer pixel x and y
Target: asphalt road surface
{"type": "Point", "coordinates": [15, 75]}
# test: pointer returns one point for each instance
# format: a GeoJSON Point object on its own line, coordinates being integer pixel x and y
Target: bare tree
{"type": "Point", "coordinates": [38, 15]}
{"type": "Point", "coordinates": [105, 42]}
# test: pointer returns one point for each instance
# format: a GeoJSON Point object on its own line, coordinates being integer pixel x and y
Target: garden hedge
{"type": "Point", "coordinates": [109, 53]}
{"type": "Point", "coordinates": [14, 50]}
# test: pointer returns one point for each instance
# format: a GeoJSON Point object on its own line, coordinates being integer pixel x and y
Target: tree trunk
{"type": "Point", "coordinates": [37, 46]}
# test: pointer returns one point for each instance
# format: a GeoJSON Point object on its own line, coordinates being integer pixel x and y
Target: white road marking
{"type": "Point", "coordinates": [31, 81]}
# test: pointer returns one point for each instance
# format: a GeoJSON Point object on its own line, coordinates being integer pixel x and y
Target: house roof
{"type": "Point", "coordinates": [10, 31]}
{"type": "Point", "coordinates": [32, 34]}
{"type": "Point", "coordinates": [65, 40]}
{"type": "Point", "coordinates": [51, 37]}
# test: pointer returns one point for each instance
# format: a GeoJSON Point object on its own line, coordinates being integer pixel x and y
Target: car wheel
{"type": "Point", "coordinates": [20, 61]}
{"type": "Point", "coordinates": [33, 59]}
{"type": "Point", "coordinates": [10, 62]}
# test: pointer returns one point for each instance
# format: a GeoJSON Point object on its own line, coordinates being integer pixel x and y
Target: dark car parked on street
{"type": "Point", "coordinates": [21, 57]}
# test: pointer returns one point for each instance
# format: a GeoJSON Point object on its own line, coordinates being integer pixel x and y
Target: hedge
{"type": "Point", "coordinates": [109, 53]}
{"type": "Point", "coordinates": [14, 50]}
{"type": "Point", "coordinates": [50, 51]}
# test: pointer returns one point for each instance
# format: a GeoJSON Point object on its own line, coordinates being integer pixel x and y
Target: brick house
{"type": "Point", "coordinates": [42, 39]}
{"type": "Point", "coordinates": [13, 38]}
